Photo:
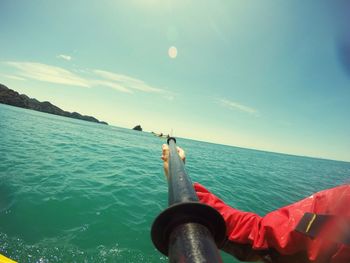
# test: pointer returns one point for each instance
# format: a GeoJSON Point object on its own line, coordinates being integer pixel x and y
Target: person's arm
{"type": "Point", "coordinates": [239, 225]}
{"type": "Point", "coordinates": [274, 230]}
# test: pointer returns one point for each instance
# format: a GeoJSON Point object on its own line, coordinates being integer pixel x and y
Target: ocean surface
{"type": "Point", "coordinates": [74, 191]}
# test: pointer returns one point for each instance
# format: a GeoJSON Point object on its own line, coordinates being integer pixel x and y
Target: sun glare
{"type": "Point", "coordinates": [172, 52]}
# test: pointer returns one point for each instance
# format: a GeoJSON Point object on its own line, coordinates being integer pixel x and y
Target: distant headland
{"type": "Point", "coordinates": [11, 97]}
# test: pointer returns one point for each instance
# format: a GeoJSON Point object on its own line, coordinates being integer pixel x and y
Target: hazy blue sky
{"type": "Point", "coordinates": [256, 74]}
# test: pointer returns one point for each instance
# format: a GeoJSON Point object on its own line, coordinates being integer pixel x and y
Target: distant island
{"type": "Point", "coordinates": [11, 97]}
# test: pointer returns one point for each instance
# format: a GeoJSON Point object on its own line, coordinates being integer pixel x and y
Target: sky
{"type": "Point", "coordinates": [254, 74]}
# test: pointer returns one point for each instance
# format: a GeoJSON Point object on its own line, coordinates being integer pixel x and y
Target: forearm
{"type": "Point", "coordinates": [275, 230]}
{"type": "Point", "coordinates": [239, 225]}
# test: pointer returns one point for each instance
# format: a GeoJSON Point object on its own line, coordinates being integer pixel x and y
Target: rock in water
{"type": "Point", "coordinates": [137, 128]}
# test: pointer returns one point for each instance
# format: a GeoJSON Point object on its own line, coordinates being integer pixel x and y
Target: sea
{"type": "Point", "coordinates": [76, 191]}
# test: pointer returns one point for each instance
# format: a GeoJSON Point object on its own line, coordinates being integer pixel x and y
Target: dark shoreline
{"type": "Point", "coordinates": [13, 98]}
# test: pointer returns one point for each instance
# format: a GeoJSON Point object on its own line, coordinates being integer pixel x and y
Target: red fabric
{"type": "Point", "coordinates": [276, 229]}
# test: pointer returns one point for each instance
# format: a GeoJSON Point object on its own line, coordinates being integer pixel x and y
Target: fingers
{"type": "Point", "coordinates": [165, 157]}
{"type": "Point", "coordinates": [165, 147]}
{"type": "Point", "coordinates": [165, 152]}
{"type": "Point", "coordinates": [181, 153]}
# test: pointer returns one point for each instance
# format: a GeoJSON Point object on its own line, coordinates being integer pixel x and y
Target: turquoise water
{"type": "Point", "coordinates": [74, 191]}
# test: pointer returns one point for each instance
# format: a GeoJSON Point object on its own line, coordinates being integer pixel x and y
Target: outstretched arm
{"type": "Point", "coordinates": [273, 231]}
{"type": "Point", "coordinates": [238, 223]}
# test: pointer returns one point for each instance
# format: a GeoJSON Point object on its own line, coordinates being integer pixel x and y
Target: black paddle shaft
{"type": "Point", "coordinates": [187, 231]}
{"type": "Point", "coordinates": [180, 185]}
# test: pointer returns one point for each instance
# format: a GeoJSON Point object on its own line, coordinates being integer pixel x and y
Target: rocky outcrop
{"type": "Point", "coordinates": [137, 128]}
{"type": "Point", "coordinates": [11, 97]}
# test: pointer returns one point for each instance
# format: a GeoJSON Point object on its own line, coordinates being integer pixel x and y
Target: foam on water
{"type": "Point", "coordinates": [74, 191]}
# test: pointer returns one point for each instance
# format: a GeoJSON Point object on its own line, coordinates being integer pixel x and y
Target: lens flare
{"type": "Point", "coordinates": [172, 52]}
